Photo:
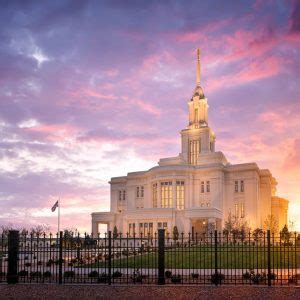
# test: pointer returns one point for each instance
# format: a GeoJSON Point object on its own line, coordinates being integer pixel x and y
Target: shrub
{"type": "Point", "coordinates": [103, 278]}
{"type": "Point", "coordinates": [258, 278]}
{"type": "Point", "coordinates": [28, 264]}
{"type": "Point", "coordinates": [39, 263]}
{"type": "Point", "coordinates": [116, 274]}
{"type": "Point", "coordinates": [2, 274]}
{"type": "Point", "coordinates": [217, 278]}
{"type": "Point", "coordinates": [168, 274]}
{"type": "Point", "coordinates": [69, 274]}
{"type": "Point", "coordinates": [195, 275]}
{"type": "Point", "coordinates": [35, 274]}
{"type": "Point", "coordinates": [176, 279]}
{"type": "Point", "coordinates": [93, 274]}
{"type": "Point", "coordinates": [23, 273]}
{"type": "Point", "coordinates": [47, 274]}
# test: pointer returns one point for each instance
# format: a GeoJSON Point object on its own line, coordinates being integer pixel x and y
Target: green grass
{"type": "Point", "coordinates": [228, 257]}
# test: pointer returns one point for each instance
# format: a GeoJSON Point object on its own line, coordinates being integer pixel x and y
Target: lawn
{"type": "Point", "coordinates": [228, 257]}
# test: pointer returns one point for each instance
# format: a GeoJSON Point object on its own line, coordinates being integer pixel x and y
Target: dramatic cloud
{"type": "Point", "coordinates": [91, 90]}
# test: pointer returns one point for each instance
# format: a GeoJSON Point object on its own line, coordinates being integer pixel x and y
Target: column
{"type": "Point", "coordinates": [94, 228]}
{"type": "Point", "coordinates": [174, 194]}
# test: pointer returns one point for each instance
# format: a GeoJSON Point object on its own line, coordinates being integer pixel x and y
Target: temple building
{"type": "Point", "coordinates": [196, 190]}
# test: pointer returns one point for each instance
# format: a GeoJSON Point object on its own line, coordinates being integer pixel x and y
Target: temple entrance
{"type": "Point", "coordinates": [199, 226]}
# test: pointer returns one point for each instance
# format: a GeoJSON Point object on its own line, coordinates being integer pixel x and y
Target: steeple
{"type": "Point", "coordinates": [197, 139]}
{"type": "Point", "coordinates": [198, 68]}
{"type": "Point", "coordinates": [198, 90]}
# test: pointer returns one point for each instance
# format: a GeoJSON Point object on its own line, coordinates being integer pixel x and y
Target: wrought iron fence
{"type": "Point", "coordinates": [215, 258]}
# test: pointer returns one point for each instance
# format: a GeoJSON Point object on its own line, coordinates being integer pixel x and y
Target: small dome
{"type": "Point", "coordinates": [199, 92]}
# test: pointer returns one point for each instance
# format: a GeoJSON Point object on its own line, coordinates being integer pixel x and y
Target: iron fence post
{"type": "Point", "coordinates": [161, 256]}
{"type": "Point", "coordinates": [216, 257]}
{"type": "Point", "coordinates": [60, 257]}
{"type": "Point", "coordinates": [269, 256]}
{"type": "Point", "coordinates": [13, 253]}
{"type": "Point", "coordinates": [109, 257]}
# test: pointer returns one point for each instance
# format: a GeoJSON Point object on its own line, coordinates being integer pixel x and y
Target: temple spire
{"type": "Point", "coordinates": [198, 67]}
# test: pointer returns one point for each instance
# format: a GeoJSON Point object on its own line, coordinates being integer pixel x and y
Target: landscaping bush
{"type": "Point", "coordinates": [28, 264]}
{"type": "Point", "coordinates": [103, 278]}
{"type": "Point", "coordinates": [257, 278]}
{"type": "Point", "coordinates": [69, 274]}
{"type": "Point", "coordinates": [176, 279]}
{"type": "Point", "coordinates": [39, 263]}
{"type": "Point", "coordinates": [2, 274]}
{"type": "Point", "coordinates": [195, 275]}
{"type": "Point", "coordinates": [168, 274]}
{"type": "Point", "coordinates": [93, 274]}
{"type": "Point", "coordinates": [47, 274]}
{"type": "Point", "coordinates": [217, 278]}
{"type": "Point", "coordinates": [116, 274]}
{"type": "Point", "coordinates": [23, 273]}
{"type": "Point", "coordinates": [35, 274]}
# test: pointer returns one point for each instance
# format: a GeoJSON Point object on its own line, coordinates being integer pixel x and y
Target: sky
{"type": "Point", "coordinates": [95, 89]}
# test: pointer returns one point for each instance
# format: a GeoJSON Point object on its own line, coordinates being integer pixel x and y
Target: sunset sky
{"type": "Point", "coordinates": [95, 89]}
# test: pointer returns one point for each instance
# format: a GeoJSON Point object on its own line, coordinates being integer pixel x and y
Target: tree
{"type": "Point", "coordinates": [39, 229]}
{"type": "Point", "coordinates": [271, 223]}
{"type": "Point", "coordinates": [258, 234]}
{"type": "Point", "coordinates": [285, 235]}
{"type": "Point", "coordinates": [115, 232]}
{"type": "Point", "coordinates": [175, 233]}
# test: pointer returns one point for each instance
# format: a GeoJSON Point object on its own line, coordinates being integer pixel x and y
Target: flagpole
{"type": "Point", "coordinates": [58, 216]}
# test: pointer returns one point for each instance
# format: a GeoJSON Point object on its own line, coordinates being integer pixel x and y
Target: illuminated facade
{"type": "Point", "coordinates": [195, 190]}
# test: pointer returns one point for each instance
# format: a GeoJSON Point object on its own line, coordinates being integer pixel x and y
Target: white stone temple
{"type": "Point", "coordinates": [194, 190]}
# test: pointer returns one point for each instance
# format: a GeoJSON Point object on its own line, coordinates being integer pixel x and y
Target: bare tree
{"type": "Point", "coordinates": [271, 223]}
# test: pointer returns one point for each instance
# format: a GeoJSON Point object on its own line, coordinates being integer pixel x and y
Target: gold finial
{"type": "Point", "coordinates": [198, 67]}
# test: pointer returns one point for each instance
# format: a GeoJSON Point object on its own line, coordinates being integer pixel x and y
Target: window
{"type": "Point", "coordinates": [208, 186]}
{"type": "Point", "coordinates": [120, 195]}
{"type": "Point", "coordinates": [131, 229]}
{"type": "Point", "coordinates": [196, 116]}
{"type": "Point", "coordinates": [151, 229]}
{"type": "Point", "coordinates": [141, 228]}
{"type": "Point", "coordinates": [138, 191]}
{"type": "Point", "coordinates": [124, 195]}
{"type": "Point", "coordinates": [142, 191]}
{"type": "Point", "coordinates": [202, 186]}
{"type": "Point", "coordinates": [154, 195]}
{"type": "Point", "coordinates": [236, 186]}
{"type": "Point", "coordinates": [194, 150]}
{"type": "Point", "coordinates": [166, 194]}
{"type": "Point", "coordinates": [236, 207]}
{"type": "Point", "coordinates": [242, 186]}
{"type": "Point", "coordinates": [180, 194]}
{"type": "Point", "coordinates": [159, 225]}
{"type": "Point", "coordinates": [242, 210]}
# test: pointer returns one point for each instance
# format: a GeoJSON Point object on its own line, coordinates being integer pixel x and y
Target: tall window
{"type": "Point", "coordinates": [180, 194]}
{"type": "Point", "coordinates": [154, 195]}
{"type": "Point", "coordinates": [194, 150]}
{"type": "Point", "coordinates": [142, 191]}
{"type": "Point", "coordinates": [202, 186]}
{"type": "Point", "coordinates": [236, 186]}
{"type": "Point", "coordinates": [166, 194]}
{"type": "Point", "coordinates": [208, 186]}
{"type": "Point", "coordinates": [138, 191]}
{"type": "Point", "coordinates": [124, 195]}
{"type": "Point", "coordinates": [242, 210]}
{"type": "Point", "coordinates": [196, 116]}
{"type": "Point", "coordinates": [120, 195]}
{"type": "Point", "coordinates": [242, 186]}
{"type": "Point", "coordinates": [236, 208]}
